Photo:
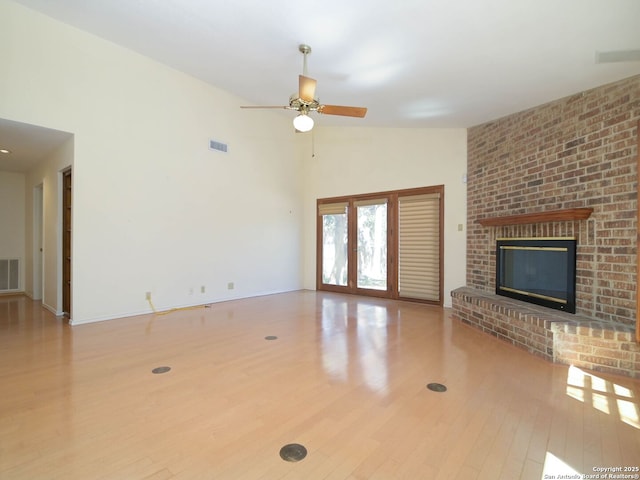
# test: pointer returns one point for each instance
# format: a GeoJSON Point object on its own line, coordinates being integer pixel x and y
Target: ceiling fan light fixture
{"type": "Point", "coordinates": [303, 122]}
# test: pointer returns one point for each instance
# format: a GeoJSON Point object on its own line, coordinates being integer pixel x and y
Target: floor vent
{"type": "Point", "coordinates": [9, 274]}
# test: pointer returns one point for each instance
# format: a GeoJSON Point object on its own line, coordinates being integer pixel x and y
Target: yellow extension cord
{"type": "Point", "coordinates": [167, 312]}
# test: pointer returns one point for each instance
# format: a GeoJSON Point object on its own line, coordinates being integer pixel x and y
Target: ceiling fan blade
{"type": "Point", "coordinates": [306, 88]}
{"type": "Point", "coordinates": [344, 111]}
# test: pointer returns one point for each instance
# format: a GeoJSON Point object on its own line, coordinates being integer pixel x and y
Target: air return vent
{"type": "Point", "coordinates": [218, 146]}
{"type": "Point", "coordinates": [9, 274]}
{"type": "Point", "coordinates": [618, 56]}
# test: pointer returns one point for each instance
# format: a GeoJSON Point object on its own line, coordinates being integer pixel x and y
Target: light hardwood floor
{"type": "Point", "coordinates": [346, 377]}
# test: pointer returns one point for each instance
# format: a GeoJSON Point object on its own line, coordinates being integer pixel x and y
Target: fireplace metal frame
{"type": "Point", "coordinates": [568, 244]}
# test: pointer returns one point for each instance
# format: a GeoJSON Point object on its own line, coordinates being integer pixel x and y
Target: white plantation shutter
{"type": "Point", "coordinates": [419, 246]}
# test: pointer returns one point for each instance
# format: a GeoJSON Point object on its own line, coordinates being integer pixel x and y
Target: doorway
{"type": "Point", "coordinates": [353, 245]}
{"type": "Point", "coordinates": [386, 244]}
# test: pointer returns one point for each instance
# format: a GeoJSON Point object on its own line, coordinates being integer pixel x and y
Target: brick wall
{"type": "Point", "coordinates": [579, 151]}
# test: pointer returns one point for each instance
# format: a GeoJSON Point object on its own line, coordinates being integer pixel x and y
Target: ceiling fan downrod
{"type": "Point", "coordinates": [305, 50]}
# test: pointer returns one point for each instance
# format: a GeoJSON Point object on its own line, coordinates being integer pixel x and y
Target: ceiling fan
{"type": "Point", "coordinates": [304, 101]}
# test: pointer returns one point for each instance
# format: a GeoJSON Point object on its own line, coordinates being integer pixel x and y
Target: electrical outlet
{"type": "Point", "coordinates": [230, 286]}
{"type": "Point", "coordinates": [191, 291]}
{"type": "Point", "coordinates": [202, 289]}
{"type": "Point", "coordinates": [148, 295]}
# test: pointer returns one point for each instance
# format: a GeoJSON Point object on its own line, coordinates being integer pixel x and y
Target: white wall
{"type": "Point", "coordinates": [12, 229]}
{"type": "Point", "coordinates": [356, 160]}
{"type": "Point", "coordinates": [154, 209]}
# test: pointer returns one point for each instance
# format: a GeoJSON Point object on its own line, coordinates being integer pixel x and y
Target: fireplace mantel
{"type": "Point", "coordinates": [568, 214]}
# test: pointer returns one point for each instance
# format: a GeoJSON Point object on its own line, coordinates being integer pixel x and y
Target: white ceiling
{"type": "Point", "coordinates": [28, 144]}
{"type": "Point", "coordinates": [413, 63]}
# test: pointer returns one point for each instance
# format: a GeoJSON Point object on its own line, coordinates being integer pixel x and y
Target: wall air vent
{"type": "Point", "coordinates": [218, 146]}
{"type": "Point", "coordinates": [9, 274]}
{"type": "Point", "coordinates": [618, 56]}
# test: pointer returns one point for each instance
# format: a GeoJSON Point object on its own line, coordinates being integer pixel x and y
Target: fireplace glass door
{"type": "Point", "coordinates": [537, 270]}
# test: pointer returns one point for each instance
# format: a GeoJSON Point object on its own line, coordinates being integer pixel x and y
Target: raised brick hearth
{"type": "Point", "coordinates": [553, 335]}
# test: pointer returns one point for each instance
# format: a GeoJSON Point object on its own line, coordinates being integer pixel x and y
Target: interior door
{"type": "Point", "coordinates": [38, 225]}
{"type": "Point", "coordinates": [66, 242]}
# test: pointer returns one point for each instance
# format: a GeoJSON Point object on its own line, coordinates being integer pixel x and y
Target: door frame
{"type": "Point", "coordinates": [353, 241]}
{"type": "Point", "coordinates": [66, 243]}
{"type": "Point", "coordinates": [392, 243]}
{"type": "Point", "coordinates": [37, 284]}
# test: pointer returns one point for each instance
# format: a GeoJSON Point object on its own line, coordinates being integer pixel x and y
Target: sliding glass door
{"type": "Point", "coordinates": [386, 244]}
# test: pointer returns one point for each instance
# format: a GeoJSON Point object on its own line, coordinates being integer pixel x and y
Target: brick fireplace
{"type": "Point", "coordinates": [526, 173]}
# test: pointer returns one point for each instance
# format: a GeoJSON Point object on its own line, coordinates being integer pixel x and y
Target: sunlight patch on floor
{"type": "Point", "coordinates": [555, 467]}
{"type": "Point", "coordinates": [603, 395]}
